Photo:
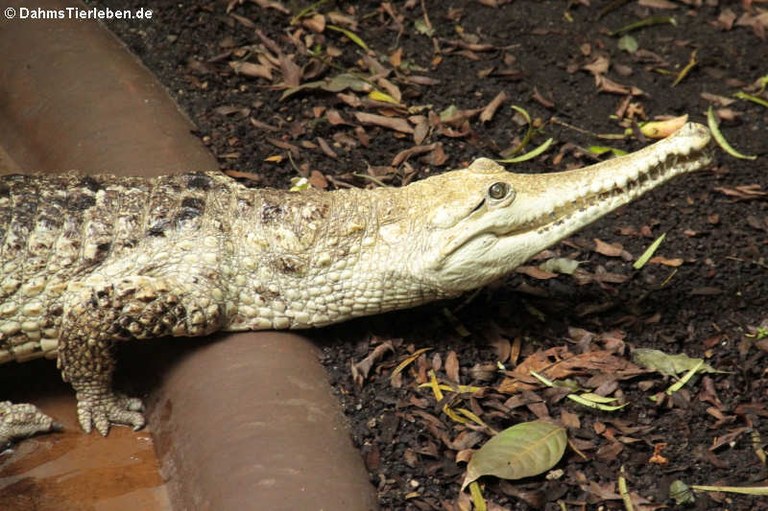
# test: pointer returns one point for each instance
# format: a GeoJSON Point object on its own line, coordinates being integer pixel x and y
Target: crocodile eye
{"type": "Point", "coordinates": [498, 190]}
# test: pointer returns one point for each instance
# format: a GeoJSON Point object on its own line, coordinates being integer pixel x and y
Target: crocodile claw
{"type": "Point", "coordinates": [103, 411]}
{"type": "Point", "coordinates": [23, 420]}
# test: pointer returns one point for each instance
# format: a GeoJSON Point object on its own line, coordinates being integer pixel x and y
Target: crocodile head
{"type": "Point", "coordinates": [483, 221]}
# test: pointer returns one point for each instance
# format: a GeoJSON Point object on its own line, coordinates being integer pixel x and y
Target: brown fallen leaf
{"type": "Point", "coordinates": [315, 23]}
{"type": "Point", "coordinates": [404, 155]}
{"type": "Point", "coordinates": [725, 20]}
{"type": "Point", "coordinates": [335, 118]}
{"type": "Point", "coordinates": [272, 4]}
{"type": "Point", "coordinates": [452, 366]}
{"type": "Point", "coordinates": [252, 70]}
{"type": "Point", "coordinates": [490, 109]}
{"type": "Point", "coordinates": [674, 262]}
{"type": "Point", "coordinates": [246, 22]}
{"type": "Point", "coordinates": [743, 192]}
{"type": "Point", "coordinates": [360, 370]}
{"type": "Point", "coordinates": [612, 250]}
{"type": "Point", "coordinates": [326, 148]}
{"type": "Point", "coordinates": [317, 180]}
{"type": "Point", "coordinates": [535, 272]}
{"type": "Point", "coordinates": [282, 144]}
{"type": "Point", "coordinates": [262, 125]}
{"type": "Point", "coordinates": [392, 123]}
{"type": "Point", "coordinates": [598, 66]}
{"type": "Point", "coordinates": [758, 22]}
{"type": "Point", "coordinates": [558, 363]}
{"type": "Point", "coordinates": [540, 99]}
{"type": "Point", "coordinates": [605, 84]}
{"type": "Point", "coordinates": [436, 157]}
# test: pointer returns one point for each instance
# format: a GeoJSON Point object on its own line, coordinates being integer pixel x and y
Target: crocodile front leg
{"type": "Point", "coordinates": [132, 308]}
{"type": "Point", "coordinates": [21, 421]}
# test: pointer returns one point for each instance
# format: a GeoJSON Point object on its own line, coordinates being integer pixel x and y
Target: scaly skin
{"type": "Point", "coordinates": [87, 261]}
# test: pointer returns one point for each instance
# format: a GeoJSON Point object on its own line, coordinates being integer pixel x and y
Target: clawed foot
{"type": "Point", "coordinates": [23, 420]}
{"type": "Point", "coordinates": [102, 410]}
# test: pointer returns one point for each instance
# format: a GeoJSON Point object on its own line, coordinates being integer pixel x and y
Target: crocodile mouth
{"type": "Point", "coordinates": [569, 215]}
{"type": "Point", "coordinates": [592, 205]}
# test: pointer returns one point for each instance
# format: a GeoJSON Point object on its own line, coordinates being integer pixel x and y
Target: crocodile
{"type": "Point", "coordinates": [90, 260]}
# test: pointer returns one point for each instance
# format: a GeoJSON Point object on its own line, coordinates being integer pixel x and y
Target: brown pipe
{"type": "Point", "coordinates": [248, 422]}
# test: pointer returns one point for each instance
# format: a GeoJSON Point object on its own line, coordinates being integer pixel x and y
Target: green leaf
{"type": "Point", "coordinates": [599, 150]}
{"type": "Point", "coordinates": [533, 153]}
{"type": "Point", "coordinates": [646, 22]}
{"type": "Point", "coordinates": [524, 450]}
{"type": "Point", "coordinates": [423, 29]}
{"type": "Point", "coordinates": [628, 44]}
{"type": "Point", "coordinates": [685, 378]}
{"type": "Point", "coordinates": [681, 493]}
{"type": "Point", "coordinates": [350, 35]}
{"type": "Point", "coordinates": [669, 365]}
{"type": "Point", "coordinates": [749, 97]}
{"type": "Point", "coordinates": [744, 490]}
{"type": "Point", "coordinates": [592, 403]}
{"type": "Point", "coordinates": [720, 139]}
{"type": "Point", "coordinates": [649, 252]}
{"type": "Point", "coordinates": [477, 497]}
{"type": "Point", "coordinates": [299, 184]}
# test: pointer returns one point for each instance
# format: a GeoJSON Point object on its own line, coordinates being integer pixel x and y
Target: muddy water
{"type": "Point", "coordinates": [71, 470]}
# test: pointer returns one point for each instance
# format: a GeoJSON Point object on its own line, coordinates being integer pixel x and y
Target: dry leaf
{"type": "Point", "coordinates": [658, 4]}
{"type": "Point", "coordinates": [611, 250]}
{"type": "Point", "coordinates": [404, 155]}
{"type": "Point", "coordinates": [490, 109]}
{"type": "Point", "coordinates": [743, 192]}
{"type": "Point", "coordinates": [392, 123]}
{"type": "Point", "coordinates": [252, 70]}
{"type": "Point", "coordinates": [452, 366]}
{"type": "Point", "coordinates": [558, 363]}
{"type": "Point", "coordinates": [360, 370]}
{"type": "Point", "coordinates": [675, 262]}
{"type": "Point", "coordinates": [317, 180]}
{"type": "Point", "coordinates": [535, 272]}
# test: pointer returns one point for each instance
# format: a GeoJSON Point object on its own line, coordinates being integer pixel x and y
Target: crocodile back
{"type": "Point", "coordinates": [58, 229]}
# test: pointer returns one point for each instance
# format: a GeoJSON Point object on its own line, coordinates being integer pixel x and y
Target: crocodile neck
{"type": "Point", "coordinates": [317, 258]}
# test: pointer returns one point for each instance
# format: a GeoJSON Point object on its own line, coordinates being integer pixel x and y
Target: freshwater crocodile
{"type": "Point", "coordinates": [90, 260]}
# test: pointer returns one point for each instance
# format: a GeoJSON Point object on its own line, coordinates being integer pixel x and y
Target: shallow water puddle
{"type": "Point", "coordinates": [72, 470]}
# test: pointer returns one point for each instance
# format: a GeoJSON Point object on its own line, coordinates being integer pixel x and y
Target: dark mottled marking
{"type": "Point", "coordinates": [288, 264]}
{"type": "Point", "coordinates": [104, 247]}
{"type": "Point", "coordinates": [199, 181]}
{"type": "Point", "coordinates": [80, 202]}
{"type": "Point", "coordinates": [5, 190]}
{"type": "Point", "coordinates": [193, 203]}
{"type": "Point", "coordinates": [90, 183]}
{"type": "Point", "coordinates": [266, 293]}
{"type": "Point", "coordinates": [190, 208]}
{"type": "Point", "coordinates": [270, 212]}
{"type": "Point", "coordinates": [317, 213]}
{"type": "Point", "coordinates": [186, 214]}
{"type": "Point", "coordinates": [17, 178]}
{"type": "Point", "coordinates": [158, 228]}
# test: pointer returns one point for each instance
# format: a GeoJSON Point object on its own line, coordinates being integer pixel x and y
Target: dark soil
{"type": "Point", "coordinates": [707, 296]}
